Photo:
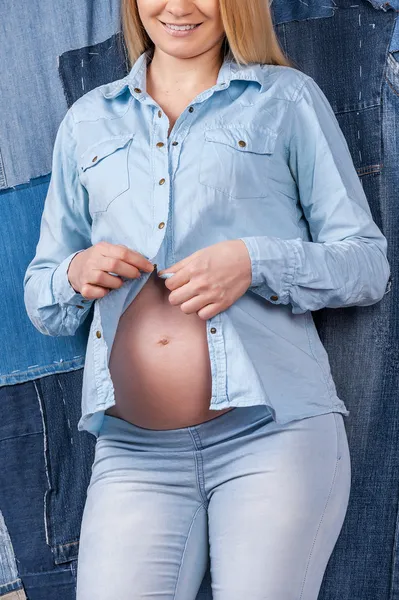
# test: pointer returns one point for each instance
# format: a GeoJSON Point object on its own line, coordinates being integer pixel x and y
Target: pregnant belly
{"type": "Point", "coordinates": [159, 363]}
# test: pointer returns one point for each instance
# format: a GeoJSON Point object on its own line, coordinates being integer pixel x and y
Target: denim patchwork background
{"type": "Point", "coordinates": [32, 101]}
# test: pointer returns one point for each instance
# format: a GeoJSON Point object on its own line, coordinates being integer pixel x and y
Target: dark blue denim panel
{"type": "Point", "coordinates": [390, 211]}
{"type": "Point", "coordinates": [85, 68]}
{"type": "Point", "coordinates": [26, 353]}
{"type": "Point", "coordinates": [284, 11]}
{"type": "Point", "coordinates": [351, 47]}
{"type": "Point", "coordinates": [387, 6]}
{"type": "Point", "coordinates": [32, 101]}
{"type": "Point", "coordinates": [9, 578]}
{"type": "Point", "coordinates": [362, 342]}
{"type": "Point", "coordinates": [43, 488]}
{"type": "Point", "coordinates": [69, 456]}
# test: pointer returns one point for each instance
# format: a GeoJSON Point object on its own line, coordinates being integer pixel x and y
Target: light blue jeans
{"type": "Point", "coordinates": [263, 502]}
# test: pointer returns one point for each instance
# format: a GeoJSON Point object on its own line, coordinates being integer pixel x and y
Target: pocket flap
{"type": "Point", "coordinates": [261, 141]}
{"type": "Point", "coordinates": [95, 153]}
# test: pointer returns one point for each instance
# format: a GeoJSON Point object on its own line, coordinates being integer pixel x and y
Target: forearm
{"type": "Point", "coordinates": [310, 275]}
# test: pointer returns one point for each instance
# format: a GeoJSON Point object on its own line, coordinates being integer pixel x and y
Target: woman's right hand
{"type": "Point", "coordinates": [88, 271]}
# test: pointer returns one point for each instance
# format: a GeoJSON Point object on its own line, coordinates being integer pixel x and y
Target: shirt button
{"type": "Point", "coordinates": [242, 143]}
{"type": "Point", "coordinates": [191, 109]}
{"type": "Point", "coordinates": [137, 90]}
{"type": "Point", "coordinates": [274, 298]}
{"type": "Point", "coordinates": [98, 334]}
{"type": "Point", "coordinates": [213, 330]}
{"type": "Point", "coordinates": [161, 225]}
{"type": "Point", "coordinates": [161, 181]}
{"type": "Point", "coordinates": [79, 306]}
{"type": "Point", "coordinates": [174, 143]}
{"type": "Point", "coordinates": [160, 113]}
{"type": "Point", "coordinates": [94, 159]}
{"type": "Point", "coordinates": [160, 145]}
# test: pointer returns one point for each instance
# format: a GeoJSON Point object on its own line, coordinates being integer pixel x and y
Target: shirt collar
{"type": "Point", "coordinates": [230, 71]}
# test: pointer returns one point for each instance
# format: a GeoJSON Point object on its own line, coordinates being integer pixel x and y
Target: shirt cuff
{"type": "Point", "coordinates": [63, 292]}
{"type": "Point", "coordinates": [273, 263]}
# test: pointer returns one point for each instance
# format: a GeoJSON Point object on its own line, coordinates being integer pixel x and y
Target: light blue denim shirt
{"type": "Point", "coordinates": [259, 157]}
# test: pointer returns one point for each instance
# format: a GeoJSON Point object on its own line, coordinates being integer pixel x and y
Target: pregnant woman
{"type": "Point", "coordinates": [203, 206]}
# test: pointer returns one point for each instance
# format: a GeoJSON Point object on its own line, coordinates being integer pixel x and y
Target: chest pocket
{"type": "Point", "coordinates": [236, 161]}
{"type": "Point", "coordinates": [104, 170]}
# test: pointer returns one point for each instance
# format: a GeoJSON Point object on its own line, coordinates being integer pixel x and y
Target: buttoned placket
{"type": "Point", "coordinates": [170, 148]}
{"type": "Point", "coordinates": [165, 158]}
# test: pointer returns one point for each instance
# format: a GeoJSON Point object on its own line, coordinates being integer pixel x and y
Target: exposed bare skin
{"type": "Point", "coordinates": [160, 364]}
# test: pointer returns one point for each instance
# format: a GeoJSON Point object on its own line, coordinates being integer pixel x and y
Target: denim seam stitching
{"type": "Point", "coordinates": [3, 178]}
{"type": "Point", "coordinates": [14, 586]}
{"type": "Point", "coordinates": [391, 86]}
{"type": "Point", "coordinates": [185, 548]}
{"type": "Point", "coordinates": [41, 372]}
{"type": "Point", "coordinates": [48, 490]}
{"type": "Point", "coordinates": [199, 464]}
{"type": "Point", "coordinates": [325, 507]}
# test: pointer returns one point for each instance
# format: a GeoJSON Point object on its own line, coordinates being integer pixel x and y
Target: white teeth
{"type": "Point", "coordinates": [180, 27]}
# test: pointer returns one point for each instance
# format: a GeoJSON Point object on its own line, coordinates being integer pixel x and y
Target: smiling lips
{"type": "Point", "coordinates": [180, 30]}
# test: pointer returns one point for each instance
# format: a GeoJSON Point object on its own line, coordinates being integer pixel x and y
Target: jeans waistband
{"type": "Point", "coordinates": [231, 424]}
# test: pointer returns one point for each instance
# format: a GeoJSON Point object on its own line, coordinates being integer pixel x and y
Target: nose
{"type": "Point", "coordinates": [180, 8]}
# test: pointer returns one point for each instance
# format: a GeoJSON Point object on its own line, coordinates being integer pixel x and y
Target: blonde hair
{"type": "Point", "coordinates": [250, 35]}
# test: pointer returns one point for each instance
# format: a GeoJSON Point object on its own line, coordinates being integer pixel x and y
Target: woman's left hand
{"type": "Point", "coordinates": [210, 280]}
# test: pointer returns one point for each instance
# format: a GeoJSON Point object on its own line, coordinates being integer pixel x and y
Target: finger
{"type": "Point", "coordinates": [93, 292]}
{"type": "Point", "coordinates": [209, 311]}
{"type": "Point", "coordinates": [177, 280]}
{"type": "Point", "coordinates": [194, 304]}
{"type": "Point", "coordinates": [121, 268]}
{"type": "Point", "coordinates": [127, 255]}
{"type": "Point", "coordinates": [179, 265]}
{"type": "Point", "coordinates": [102, 279]}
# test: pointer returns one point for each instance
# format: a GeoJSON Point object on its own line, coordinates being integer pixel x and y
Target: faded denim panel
{"type": "Point", "coordinates": [43, 489]}
{"type": "Point", "coordinates": [10, 583]}
{"type": "Point", "coordinates": [31, 107]}
{"type": "Point", "coordinates": [27, 354]}
{"type": "Point", "coordinates": [384, 5]}
{"type": "Point", "coordinates": [85, 68]}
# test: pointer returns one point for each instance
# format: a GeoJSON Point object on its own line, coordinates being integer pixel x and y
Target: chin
{"type": "Point", "coordinates": [183, 51]}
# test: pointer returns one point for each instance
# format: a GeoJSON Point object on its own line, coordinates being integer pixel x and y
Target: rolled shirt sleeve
{"type": "Point", "coordinates": [346, 263]}
{"type": "Point", "coordinates": [52, 304]}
